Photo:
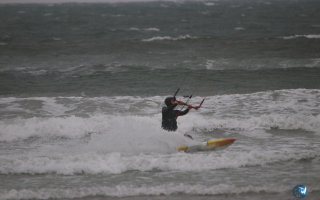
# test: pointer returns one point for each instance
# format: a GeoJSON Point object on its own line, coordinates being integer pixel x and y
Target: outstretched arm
{"type": "Point", "coordinates": [189, 106]}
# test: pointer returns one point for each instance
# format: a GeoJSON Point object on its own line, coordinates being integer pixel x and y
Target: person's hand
{"type": "Point", "coordinates": [197, 107]}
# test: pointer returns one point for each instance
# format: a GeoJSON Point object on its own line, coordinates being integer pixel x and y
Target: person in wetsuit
{"type": "Point", "coordinates": [170, 115]}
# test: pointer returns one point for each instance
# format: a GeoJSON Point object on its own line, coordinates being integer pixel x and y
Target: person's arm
{"type": "Point", "coordinates": [180, 113]}
{"type": "Point", "coordinates": [185, 104]}
{"type": "Point", "coordinates": [181, 103]}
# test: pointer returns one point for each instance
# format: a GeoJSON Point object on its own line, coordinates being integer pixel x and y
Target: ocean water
{"type": "Point", "coordinates": [82, 86]}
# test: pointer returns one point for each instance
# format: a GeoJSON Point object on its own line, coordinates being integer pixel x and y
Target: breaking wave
{"type": "Point", "coordinates": [129, 191]}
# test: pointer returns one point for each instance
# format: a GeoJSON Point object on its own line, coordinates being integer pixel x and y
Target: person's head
{"type": "Point", "coordinates": [170, 101]}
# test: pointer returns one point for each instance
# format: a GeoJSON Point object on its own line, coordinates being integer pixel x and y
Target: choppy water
{"type": "Point", "coordinates": [82, 86]}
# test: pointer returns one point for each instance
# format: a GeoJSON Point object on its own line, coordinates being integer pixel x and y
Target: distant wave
{"type": "Point", "coordinates": [151, 29]}
{"type": "Point", "coordinates": [301, 36]}
{"type": "Point", "coordinates": [221, 64]}
{"type": "Point", "coordinates": [129, 191]}
{"type": "Point", "coordinates": [159, 38]}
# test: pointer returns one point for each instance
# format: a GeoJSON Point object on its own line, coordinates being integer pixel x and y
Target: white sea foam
{"type": "Point", "coordinates": [69, 141]}
{"type": "Point", "coordinates": [127, 191]}
{"type": "Point", "coordinates": [159, 38]}
{"type": "Point", "coordinates": [310, 36]}
{"type": "Point", "coordinates": [74, 117]}
{"type": "Point", "coordinates": [77, 127]}
{"type": "Point", "coordinates": [253, 124]}
{"type": "Point", "coordinates": [151, 29]}
{"type": "Point", "coordinates": [120, 152]}
{"type": "Point", "coordinates": [84, 106]}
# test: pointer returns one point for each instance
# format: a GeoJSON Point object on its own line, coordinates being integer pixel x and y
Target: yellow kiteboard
{"type": "Point", "coordinates": [209, 145]}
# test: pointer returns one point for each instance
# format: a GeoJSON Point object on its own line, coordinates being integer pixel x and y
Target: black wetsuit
{"type": "Point", "coordinates": [169, 117]}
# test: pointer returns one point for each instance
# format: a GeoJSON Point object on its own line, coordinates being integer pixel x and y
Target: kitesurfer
{"type": "Point", "coordinates": [170, 114]}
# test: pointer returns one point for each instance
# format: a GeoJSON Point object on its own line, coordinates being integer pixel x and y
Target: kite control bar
{"type": "Point", "coordinates": [186, 103]}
